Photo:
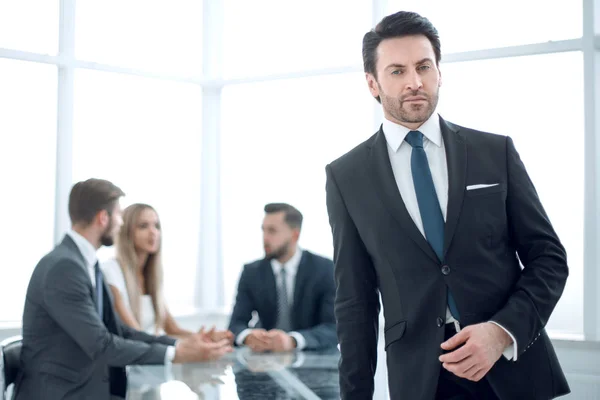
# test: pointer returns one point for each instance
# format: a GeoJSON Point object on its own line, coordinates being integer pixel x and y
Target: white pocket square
{"type": "Point", "coordinates": [481, 186]}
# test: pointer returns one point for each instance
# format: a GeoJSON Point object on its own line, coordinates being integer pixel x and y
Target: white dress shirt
{"type": "Point", "coordinates": [291, 269]}
{"type": "Point", "coordinates": [88, 252]}
{"type": "Point", "coordinates": [400, 154]}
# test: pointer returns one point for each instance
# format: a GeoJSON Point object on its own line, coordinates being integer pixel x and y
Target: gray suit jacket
{"type": "Point", "coordinates": [69, 351]}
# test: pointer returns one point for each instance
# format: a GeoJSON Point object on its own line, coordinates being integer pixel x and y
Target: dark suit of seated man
{"type": "Point", "coordinates": [74, 345]}
{"type": "Point", "coordinates": [297, 314]}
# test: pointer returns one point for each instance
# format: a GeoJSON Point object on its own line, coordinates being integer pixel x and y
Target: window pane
{"type": "Point", "coordinates": [474, 24]}
{"type": "Point", "coordinates": [144, 135]}
{"type": "Point", "coordinates": [271, 36]}
{"type": "Point", "coordinates": [277, 138]}
{"type": "Point", "coordinates": [29, 25]}
{"type": "Point", "coordinates": [162, 36]}
{"type": "Point", "coordinates": [27, 172]}
{"type": "Point", "coordinates": [513, 96]}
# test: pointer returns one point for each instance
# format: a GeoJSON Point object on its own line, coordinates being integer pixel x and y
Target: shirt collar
{"type": "Point", "coordinates": [85, 247]}
{"type": "Point", "coordinates": [395, 133]}
{"type": "Point", "coordinates": [291, 267]}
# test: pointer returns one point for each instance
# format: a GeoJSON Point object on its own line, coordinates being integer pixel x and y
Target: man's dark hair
{"type": "Point", "coordinates": [293, 217]}
{"type": "Point", "coordinates": [402, 23]}
{"type": "Point", "coordinates": [89, 197]}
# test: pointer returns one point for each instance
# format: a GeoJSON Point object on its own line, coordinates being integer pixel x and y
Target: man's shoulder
{"type": "Point", "coordinates": [256, 265]}
{"type": "Point", "coordinates": [321, 264]}
{"type": "Point", "coordinates": [58, 258]}
{"type": "Point", "coordinates": [316, 258]}
{"type": "Point", "coordinates": [349, 158]}
{"type": "Point", "coordinates": [477, 136]}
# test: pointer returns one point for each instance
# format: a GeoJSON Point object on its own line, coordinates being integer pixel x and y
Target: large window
{"type": "Point", "coordinates": [144, 135]}
{"type": "Point", "coordinates": [27, 172]}
{"type": "Point", "coordinates": [271, 36]}
{"type": "Point", "coordinates": [29, 25]}
{"type": "Point", "coordinates": [519, 97]}
{"type": "Point", "coordinates": [277, 138]}
{"type": "Point", "coordinates": [286, 95]}
{"type": "Point", "coordinates": [162, 36]}
{"type": "Point", "coordinates": [473, 24]}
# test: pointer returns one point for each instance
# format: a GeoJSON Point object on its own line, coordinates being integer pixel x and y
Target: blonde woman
{"type": "Point", "coordinates": [135, 275]}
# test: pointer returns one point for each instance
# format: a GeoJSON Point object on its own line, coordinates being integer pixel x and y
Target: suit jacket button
{"type": "Point", "coordinates": [445, 270]}
{"type": "Point", "coordinates": [440, 322]}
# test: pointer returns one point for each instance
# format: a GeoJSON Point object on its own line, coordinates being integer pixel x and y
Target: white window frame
{"type": "Point", "coordinates": [210, 280]}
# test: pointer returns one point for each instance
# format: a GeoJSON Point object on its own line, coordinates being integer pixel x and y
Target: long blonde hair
{"type": "Point", "coordinates": [152, 270]}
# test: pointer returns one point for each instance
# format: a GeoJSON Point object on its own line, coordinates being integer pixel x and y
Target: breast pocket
{"type": "Point", "coordinates": [499, 188]}
{"type": "Point", "coordinates": [484, 213]}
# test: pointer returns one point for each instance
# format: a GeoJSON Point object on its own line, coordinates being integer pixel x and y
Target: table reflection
{"type": "Point", "coordinates": [242, 375]}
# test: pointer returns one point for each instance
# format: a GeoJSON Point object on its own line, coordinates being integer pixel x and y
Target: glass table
{"type": "Point", "coordinates": [241, 375]}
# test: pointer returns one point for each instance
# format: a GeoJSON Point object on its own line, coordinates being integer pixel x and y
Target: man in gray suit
{"type": "Point", "coordinates": [74, 345]}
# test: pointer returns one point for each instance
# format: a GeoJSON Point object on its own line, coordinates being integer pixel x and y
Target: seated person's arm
{"type": "Point", "coordinates": [172, 329]}
{"type": "Point", "coordinates": [68, 301]}
{"type": "Point", "coordinates": [124, 312]}
{"type": "Point", "coordinates": [242, 310]}
{"type": "Point", "coordinates": [323, 335]}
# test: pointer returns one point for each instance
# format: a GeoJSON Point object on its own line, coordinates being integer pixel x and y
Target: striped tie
{"type": "Point", "coordinates": [283, 308]}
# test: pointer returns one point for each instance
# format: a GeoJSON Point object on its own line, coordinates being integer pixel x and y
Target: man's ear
{"type": "Point", "coordinates": [373, 85]}
{"type": "Point", "coordinates": [102, 218]}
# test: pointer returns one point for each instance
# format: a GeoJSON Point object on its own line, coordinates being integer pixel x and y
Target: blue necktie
{"type": "Point", "coordinates": [429, 205]}
{"type": "Point", "coordinates": [99, 285]}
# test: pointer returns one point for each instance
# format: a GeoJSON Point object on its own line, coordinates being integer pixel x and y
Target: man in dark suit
{"type": "Point", "coordinates": [74, 345]}
{"type": "Point", "coordinates": [292, 290]}
{"type": "Point", "coordinates": [435, 217]}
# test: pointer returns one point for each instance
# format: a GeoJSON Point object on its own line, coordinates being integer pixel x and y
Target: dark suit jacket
{"type": "Point", "coordinates": [378, 248]}
{"type": "Point", "coordinates": [69, 352]}
{"type": "Point", "coordinates": [312, 309]}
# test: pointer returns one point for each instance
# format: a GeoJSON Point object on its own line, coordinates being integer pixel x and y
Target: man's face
{"type": "Point", "coordinates": [114, 224]}
{"type": "Point", "coordinates": [408, 80]}
{"type": "Point", "coordinates": [277, 235]}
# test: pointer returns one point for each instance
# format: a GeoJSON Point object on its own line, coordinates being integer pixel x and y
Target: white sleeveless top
{"type": "Point", "coordinates": [113, 275]}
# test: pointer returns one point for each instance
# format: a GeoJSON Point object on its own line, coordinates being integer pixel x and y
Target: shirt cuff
{"type": "Point", "coordinates": [239, 340]}
{"type": "Point", "coordinates": [510, 352]}
{"type": "Point", "coordinates": [300, 341]}
{"type": "Point", "coordinates": [170, 354]}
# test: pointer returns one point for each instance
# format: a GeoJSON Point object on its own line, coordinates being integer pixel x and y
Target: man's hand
{"type": "Point", "coordinates": [196, 348]}
{"type": "Point", "coordinates": [216, 336]}
{"type": "Point", "coordinates": [483, 346]}
{"type": "Point", "coordinates": [258, 341]}
{"type": "Point", "coordinates": [280, 341]}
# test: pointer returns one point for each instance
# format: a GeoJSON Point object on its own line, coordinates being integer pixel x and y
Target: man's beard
{"type": "Point", "coordinates": [278, 253]}
{"type": "Point", "coordinates": [106, 239]}
{"type": "Point", "coordinates": [420, 113]}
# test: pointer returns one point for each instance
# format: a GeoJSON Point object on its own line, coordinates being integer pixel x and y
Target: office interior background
{"type": "Point", "coordinates": [208, 110]}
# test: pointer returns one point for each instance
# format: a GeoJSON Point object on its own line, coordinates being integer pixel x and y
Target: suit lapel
{"type": "Point", "coordinates": [383, 176]}
{"type": "Point", "coordinates": [456, 158]}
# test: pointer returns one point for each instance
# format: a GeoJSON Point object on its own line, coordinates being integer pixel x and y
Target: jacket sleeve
{"type": "Point", "coordinates": [323, 334]}
{"type": "Point", "coordinates": [67, 299]}
{"type": "Point", "coordinates": [540, 251]}
{"type": "Point", "coordinates": [356, 301]}
{"type": "Point", "coordinates": [242, 311]}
